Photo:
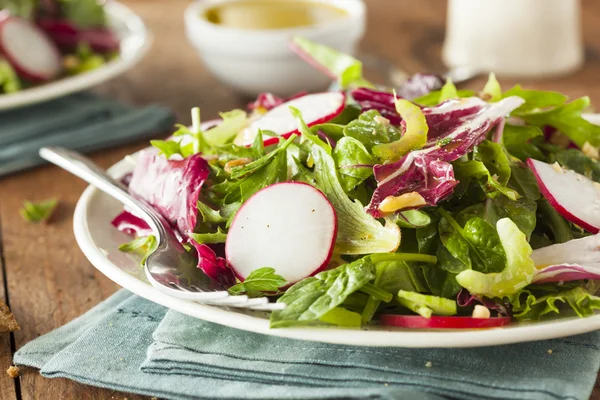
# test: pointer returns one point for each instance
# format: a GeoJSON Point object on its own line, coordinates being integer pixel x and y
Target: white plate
{"type": "Point", "coordinates": [99, 241]}
{"type": "Point", "coordinates": [135, 41]}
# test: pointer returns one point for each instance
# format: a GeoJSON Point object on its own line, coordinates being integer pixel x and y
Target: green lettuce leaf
{"type": "Point", "coordinates": [232, 123]}
{"type": "Point", "coordinates": [167, 148]}
{"type": "Point", "coordinates": [536, 301]}
{"type": "Point", "coordinates": [552, 223]}
{"type": "Point", "coordinates": [467, 171]}
{"type": "Point", "coordinates": [371, 129]}
{"type": "Point", "coordinates": [517, 140]}
{"type": "Point", "coordinates": [434, 98]}
{"type": "Point", "coordinates": [492, 89]}
{"type": "Point", "coordinates": [9, 81]}
{"type": "Point", "coordinates": [339, 316]}
{"type": "Point", "coordinates": [22, 8]}
{"type": "Point", "coordinates": [260, 282]}
{"type": "Point", "coordinates": [426, 305]}
{"type": "Point", "coordinates": [535, 100]}
{"type": "Point", "coordinates": [38, 212]}
{"type": "Point", "coordinates": [448, 91]}
{"type": "Point", "coordinates": [519, 270]}
{"type": "Point", "coordinates": [346, 69]}
{"type": "Point", "coordinates": [521, 211]}
{"type": "Point", "coordinates": [310, 299]}
{"type": "Point", "coordinates": [143, 246]}
{"type": "Point", "coordinates": [353, 162]}
{"type": "Point", "coordinates": [84, 13]}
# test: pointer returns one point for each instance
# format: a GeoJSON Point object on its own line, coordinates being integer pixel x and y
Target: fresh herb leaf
{"type": "Point", "coordinates": [144, 246]}
{"type": "Point", "coordinates": [38, 212]}
{"type": "Point", "coordinates": [209, 238]}
{"type": "Point", "coordinates": [311, 298]}
{"type": "Point", "coordinates": [353, 161]}
{"type": "Point", "coordinates": [372, 129]}
{"type": "Point", "coordinates": [260, 282]}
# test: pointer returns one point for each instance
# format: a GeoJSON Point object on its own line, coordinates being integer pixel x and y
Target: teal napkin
{"type": "Point", "coordinates": [82, 121]}
{"type": "Point", "coordinates": [106, 347]}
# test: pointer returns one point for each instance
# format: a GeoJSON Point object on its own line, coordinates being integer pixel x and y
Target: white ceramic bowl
{"type": "Point", "coordinates": [255, 61]}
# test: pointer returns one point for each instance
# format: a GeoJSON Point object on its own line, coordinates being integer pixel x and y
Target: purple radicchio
{"type": "Point", "coordinates": [466, 299]}
{"type": "Point", "coordinates": [428, 171]}
{"type": "Point", "coordinates": [570, 261]}
{"type": "Point", "coordinates": [384, 102]}
{"type": "Point", "coordinates": [419, 85]}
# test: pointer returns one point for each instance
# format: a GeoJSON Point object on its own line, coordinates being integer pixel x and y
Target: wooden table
{"type": "Point", "coordinates": [44, 277]}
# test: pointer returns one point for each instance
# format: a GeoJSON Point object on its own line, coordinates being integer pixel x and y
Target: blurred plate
{"type": "Point", "coordinates": [135, 41]}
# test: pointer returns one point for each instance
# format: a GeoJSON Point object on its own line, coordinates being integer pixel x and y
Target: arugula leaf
{"type": "Point", "coordinates": [232, 123]}
{"type": "Point", "coordinates": [311, 298]}
{"type": "Point", "coordinates": [353, 161]}
{"type": "Point", "coordinates": [9, 81]}
{"type": "Point", "coordinates": [553, 223]}
{"type": "Point", "coordinates": [346, 69]}
{"type": "Point", "coordinates": [167, 147]}
{"type": "Point", "coordinates": [492, 89]}
{"type": "Point", "coordinates": [466, 171]}
{"type": "Point", "coordinates": [435, 97]}
{"type": "Point", "coordinates": [426, 305]}
{"type": "Point", "coordinates": [210, 215]}
{"type": "Point", "coordinates": [495, 160]}
{"type": "Point", "coordinates": [38, 212]}
{"type": "Point", "coordinates": [577, 161]}
{"type": "Point", "coordinates": [568, 120]}
{"type": "Point", "coordinates": [372, 129]}
{"type": "Point", "coordinates": [209, 238]}
{"type": "Point", "coordinates": [414, 137]}
{"type": "Point", "coordinates": [477, 245]}
{"type": "Point", "coordinates": [448, 91]}
{"type": "Point", "coordinates": [239, 172]}
{"type": "Point", "coordinates": [535, 99]}
{"type": "Point", "coordinates": [517, 139]}
{"type": "Point", "coordinates": [536, 301]}
{"type": "Point", "coordinates": [260, 282]}
{"type": "Point", "coordinates": [143, 245]}
{"type": "Point", "coordinates": [84, 13]}
{"type": "Point", "coordinates": [518, 272]}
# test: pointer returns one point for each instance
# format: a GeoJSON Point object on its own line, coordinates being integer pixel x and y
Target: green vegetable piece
{"type": "Point", "coordinates": [495, 160]}
{"type": "Point", "coordinates": [523, 181]}
{"type": "Point", "coordinates": [519, 270]}
{"type": "Point", "coordinates": [232, 123]}
{"type": "Point", "coordinates": [260, 282]}
{"type": "Point", "coordinates": [210, 215]}
{"type": "Point", "coordinates": [568, 120]}
{"type": "Point", "coordinates": [311, 298]}
{"type": "Point", "coordinates": [426, 305]}
{"type": "Point", "coordinates": [346, 69]}
{"type": "Point", "coordinates": [21, 8]}
{"type": "Point", "coordinates": [167, 148]}
{"type": "Point", "coordinates": [441, 282]}
{"type": "Point", "coordinates": [255, 165]}
{"type": "Point", "coordinates": [209, 238]}
{"type": "Point", "coordinates": [9, 81]}
{"type": "Point", "coordinates": [521, 211]}
{"type": "Point", "coordinates": [372, 129]}
{"type": "Point", "coordinates": [38, 212]}
{"type": "Point", "coordinates": [143, 245]}
{"type": "Point", "coordinates": [466, 171]}
{"type": "Point", "coordinates": [492, 89]}
{"type": "Point", "coordinates": [433, 98]}
{"type": "Point", "coordinates": [414, 138]}
{"type": "Point", "coordinates": [535, 99]}
{"type": "Point", "coordinates": [577, 161]}
{"type": "Point", "coordinates": [353, 162]}
{"type": "Point", "coordinates": [358, 232]}
{"type": "Point", "coordinates": [411, 219]}
{"type": "Point", "coordinates": [517, 139]}
{"type": "Point", "coordinates": [448, 91]}
{"type": "Point", "coordinates": [339, 316]}
{"type": "Point", "coordinates": [551, 221]}
{"type": "Point", "coordinates": [536, 301]}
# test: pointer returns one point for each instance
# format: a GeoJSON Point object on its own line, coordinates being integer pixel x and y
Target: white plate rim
{"type": "Point", "coordinates": [408, 338]}
{"type": "Point", "coordinates": [136, 41]}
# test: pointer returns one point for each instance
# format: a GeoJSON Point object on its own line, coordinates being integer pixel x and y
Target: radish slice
{"type": "Point", "coordinates": [28, 49]}
{"type": "Point", "coordinates": [566, 273]}
{"type": "Point", "coordinates": [315, 108]}
{"type": "Point", "coordinates": [574, 196]}
{"type": "Point", "coordinates": [289, 226]}
{"type": "Point", "coordinates": [438, 322]}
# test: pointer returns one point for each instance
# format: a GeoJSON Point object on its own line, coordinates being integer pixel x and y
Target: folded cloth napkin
{"type": "Point", "coordinates": [133, 345]}
{"type": "Point", "coordinates": [82, 121]}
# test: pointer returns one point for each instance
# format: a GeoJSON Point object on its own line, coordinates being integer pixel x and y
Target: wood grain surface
{"type": "Point", "coordinates": [45, 278]}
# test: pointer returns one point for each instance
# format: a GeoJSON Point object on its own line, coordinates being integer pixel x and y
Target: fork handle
{"type": "Point", "coordinates": [86, 169]}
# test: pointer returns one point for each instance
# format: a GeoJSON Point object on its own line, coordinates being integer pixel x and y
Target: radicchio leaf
{"type": "Point", "coordinates": [566, 273]}
{"type": "Point", "coordinates": [131, 224]}
{"type": "Point", "coordinates": [213, 266]}
{"type": "Point", "coordinates": [427, 171]}
{"type": "Point", "coordinates": [384, 102]}
{"type": "Point", "coordinates": [419, 85]}
{"type": "Point", "coordinates": [466, 299]}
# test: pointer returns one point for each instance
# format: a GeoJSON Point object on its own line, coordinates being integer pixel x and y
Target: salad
{"type": "Point", "coordinates": [424, 207]}
{"type": "Point", "coordinates": [43, 40]}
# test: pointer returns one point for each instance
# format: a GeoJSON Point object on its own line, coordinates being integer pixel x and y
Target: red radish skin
{"type": "Point", "coordinates": [554, 183]}
{"type": "Point", "coordinates": [316, 109]}
{"type": "Point", "coordinates": [38, 59]}
{"type": "Point", "coordinates": [288, 226]}
{"type": "Point", "coordinates": [441, 322]}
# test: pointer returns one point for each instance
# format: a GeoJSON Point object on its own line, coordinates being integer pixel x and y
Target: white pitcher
{"type": "Point", "coordinates": [530, 38]}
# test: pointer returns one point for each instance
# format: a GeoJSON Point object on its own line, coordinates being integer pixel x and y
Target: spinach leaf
{"type": "Point", "coordinates": [310, 299]}
{"type": "Point", "coordinates": [517, 140]}
{"type": "Point", "coordinates": [552, 223]}
{"type": "Point", "coordinates": [522, 212]}
{"type": "Point", "coordinates": [427, 237]}
{"type": "Point", "coordinates": [441, 282]}
{"type": "Point", "coordinates": [495, 160]}
{"type": "Point", "coordinates": [353, 161]}
{"type": "Point", "coordinates": [524, 182]}
{"type": "Point", "coordinates": [258, 283]}
{"type": "Point", "coordinates": [411, 219]}
{"type": "Point", "coordinates": [467, 171]}
{"type": "Point", "coordinates": [372, 129]}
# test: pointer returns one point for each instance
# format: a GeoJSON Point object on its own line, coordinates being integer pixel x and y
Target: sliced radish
{"type": "Point", "coordinates": [440, 322]}
{"type": "Point", "coordinates": [289, 226]}
{"type": "Point", "coordinates": [28, 49]}
{"type": "Point", "coordinates": [566, 273]}
{"type": "Point", "coordinates": [574, 196]}
{"type": "Point", "coordinates": [315, 108]}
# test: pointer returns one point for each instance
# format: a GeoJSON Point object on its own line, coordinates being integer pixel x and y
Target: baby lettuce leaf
{"type": "Point", "coordinates": [568, 120]}
{"type": "Point", "coordinates": [523, 181]}
{"type": "Point", "coordinates": [353, 161]}
{"type": "Point", "coordinates": [441, 282]}
{"type": "Point", "coordinates": [448, 91]}
{"type": "Point", "coordinates": [426, 305]}
{"type": "Point", "coordinates": [492, 89]}
{"type": "Point", "coordinates": [517, 141]}
{"type": "Point", "coordinates": [519, 270]}
{"type": "Point", "coordinates": [167, 148]}
{"type": "Point", "coordinates": [339, 316]}
{"type": "Point", "coordinates": [38, 212]}
{"type": "Point", "coordinates": [311, 298]}
{"type": "Point", "coordinates": [466, 171]}
{"type": "Point", "coordinates": [371, 129]}
{"type": "Point", "coordinates": [552, 223]}
{"type": "Point", "coordinates": [538, 300]}
{"type": "Point", "coordinates": [346, 69]}
{"type": "Point", "coordinates": [143, 245]}
{"type": "Point", "coordinates": [232, 123]}
{"type": "Point", "coordinates": [577, 161]}
{"type": "Point", "coordinates": [521, 211]}
{"type": "Point", "coordinates": [535, 99]}
{"type": "Point", "coordinates": [260, 282]}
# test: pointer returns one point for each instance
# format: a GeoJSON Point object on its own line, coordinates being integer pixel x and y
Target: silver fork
{"type": "Point", "coordinates": [170, 268]}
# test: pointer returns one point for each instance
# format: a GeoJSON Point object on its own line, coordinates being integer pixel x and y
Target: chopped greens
{"type": "Point", "coordinates": [38, 212]}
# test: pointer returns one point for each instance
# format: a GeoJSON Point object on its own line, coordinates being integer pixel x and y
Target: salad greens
{"type": "Point", "coordinates": [434, 200]}
{"type": "Point", "coordinates": [38, 212]}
